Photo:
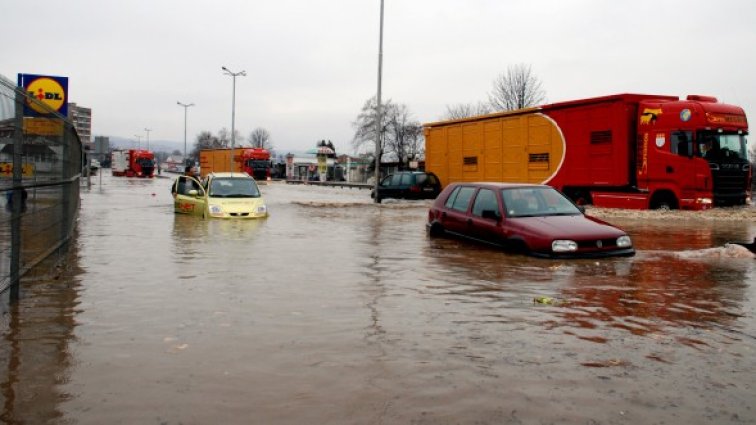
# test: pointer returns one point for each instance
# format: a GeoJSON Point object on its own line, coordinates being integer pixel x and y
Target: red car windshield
{"type": "Point", "coordinates": [536, 201]}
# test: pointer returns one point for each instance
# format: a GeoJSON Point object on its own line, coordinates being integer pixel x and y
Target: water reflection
{"type": "Point", "coordinates": [653, 296]}
{"type": "Point", "coordinates": [35, 353]}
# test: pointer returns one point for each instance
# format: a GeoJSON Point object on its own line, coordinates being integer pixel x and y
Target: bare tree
{"type": "Point", "coordinates": [400, 134]}
{"type": "Point", "coordinates": [207, 140]}
{"type": "Point", "coordinates": [516, 88]}
{"type": "Point", "coordinates": [364, 125]}
{"type": "Point", "coordinates": [464, 110]}
{"type": "Point", "coordinates": [404, 134]}
{"type": "Point", "coordinates": [260, 138]}
{"type": "Point", "coordinates": [224, 138]}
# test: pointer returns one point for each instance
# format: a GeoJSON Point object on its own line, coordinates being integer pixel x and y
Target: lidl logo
{"type": "Point", "coordinates": [50, 91]}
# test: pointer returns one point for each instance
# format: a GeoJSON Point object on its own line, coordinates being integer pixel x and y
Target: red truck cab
{"type": "Point", "coordinates": [256, 163]}
{"type": "Point", "coordinates": [692, 153]}
{"type": "Point", "coordinates": [142, 163]}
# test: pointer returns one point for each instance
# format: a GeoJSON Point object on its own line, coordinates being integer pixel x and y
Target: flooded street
{"type": "Point", "coordinates": [338, 311]}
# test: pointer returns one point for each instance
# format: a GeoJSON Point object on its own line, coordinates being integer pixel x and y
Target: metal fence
{"type": "Point", "coordinates": [40, 173]}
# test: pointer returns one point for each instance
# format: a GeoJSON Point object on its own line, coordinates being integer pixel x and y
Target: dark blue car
{"type": "Point", "coordinates": [409, 185]}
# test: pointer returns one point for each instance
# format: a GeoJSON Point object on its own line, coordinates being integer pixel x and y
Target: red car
{"type": "Point", "coordinates": [533, 219]}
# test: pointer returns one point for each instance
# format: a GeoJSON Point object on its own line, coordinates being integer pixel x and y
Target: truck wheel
{"type": "Point", "coordinates": [579, 196]}
{"type": "Point", "coordinates": [664, 202]}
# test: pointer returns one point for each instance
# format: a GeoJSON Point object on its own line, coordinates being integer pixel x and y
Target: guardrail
{"type": "Point", "coordinates": [333, 184]}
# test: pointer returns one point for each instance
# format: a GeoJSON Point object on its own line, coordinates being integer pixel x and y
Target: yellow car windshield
{"type": "Point", "coordinates": [233, 188]}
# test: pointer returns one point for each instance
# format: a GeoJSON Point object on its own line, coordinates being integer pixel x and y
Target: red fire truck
{"type": "Point", "coordinates": [253, 161]}
{"type": "Point", "coordinates": [133, 163]}
{"type": "Point", "coordinates": [624, 151]}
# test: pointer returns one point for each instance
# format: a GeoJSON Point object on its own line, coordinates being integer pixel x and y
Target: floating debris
{"type": "Point", "coordinates": [545, 300]}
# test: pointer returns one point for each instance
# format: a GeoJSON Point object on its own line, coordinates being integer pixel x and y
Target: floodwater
{"type": "Point", "coordinates": [338, 311]}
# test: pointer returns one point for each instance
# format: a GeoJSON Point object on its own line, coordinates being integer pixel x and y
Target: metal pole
{"type": "Point", "coordinates": [148, 137]}
{"type": "Point", "coordinates": [379, 118]}
{"type": "Point", "coordinates": [233, 120]}
{"type": "Point", "coordinates": [186, 107]}
{"type": "Point", "coordinates": [233, 110]}
{"type": "Point", "coordinates": [17, 197]}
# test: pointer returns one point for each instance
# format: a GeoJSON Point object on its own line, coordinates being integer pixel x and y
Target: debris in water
{"type": "Point", "coordinates": [727, 251]}
{"type": "Point", "coordinates": [749, 246]}
{"type": "Point", "coordinates": [545, 300]}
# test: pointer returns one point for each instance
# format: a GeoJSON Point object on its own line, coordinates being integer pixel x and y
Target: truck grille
{"type": "Point", "coordinates": [729, 181]}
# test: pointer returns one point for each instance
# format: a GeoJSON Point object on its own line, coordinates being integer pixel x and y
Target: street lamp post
{"type": "Point", "coordinates": [233, 109]}
{"type": "Point", "coordinates": [147, 130]}
{"type": "Point", "coordinates": [186, 107]}
{"type": "Point", "coordinates": [379, 118]}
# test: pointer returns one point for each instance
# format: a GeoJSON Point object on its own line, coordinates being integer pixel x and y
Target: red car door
{"type": "Point", "coordinates": [485, 217]}
{"type": "Point", "coordinates": [454, 216]}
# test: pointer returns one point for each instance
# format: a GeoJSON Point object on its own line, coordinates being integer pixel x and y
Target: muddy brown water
{"type": "Point", "coordinates": [338, 311]}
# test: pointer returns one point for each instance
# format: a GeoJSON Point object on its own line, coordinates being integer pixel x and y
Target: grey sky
{"type": "Point", "coordinates": [311, 65]}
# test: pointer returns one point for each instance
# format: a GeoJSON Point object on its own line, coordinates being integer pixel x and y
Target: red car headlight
{"type": "Point", "coordinates": [564, 246]}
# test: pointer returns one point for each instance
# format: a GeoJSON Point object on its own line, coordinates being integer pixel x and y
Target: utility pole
{"type": "Point", "coordinates": [233, 109]}
{"type": "Point", "coordinates": [148, 137]}
{"type": "Point", "coordinates": [186, 106]}
{"type": "Point", "coordinates": [379, 118]}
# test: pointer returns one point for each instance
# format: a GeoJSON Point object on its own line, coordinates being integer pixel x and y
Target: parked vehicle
{"type": "Point", "coordinates": [253, 161]}
{"type": "Point", "coordinates": [532, 219]}
{"type": "Point", "coordinates": [94, 165]}
{"type": "Point", "coordinates": [220, 195]}
{"type": "Point", "coordinates": [624, 151]}
{"type": "Point", "coordinates": [408, 185]}
{"type": "Point", "coordinates": [133, 163]}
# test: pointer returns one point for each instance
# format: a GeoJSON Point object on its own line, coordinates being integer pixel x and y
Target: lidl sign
{"type": "Point", "coordinates": [50, 91]}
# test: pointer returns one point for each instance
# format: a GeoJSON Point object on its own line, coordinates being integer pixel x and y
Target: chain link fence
{"type": "Point", "coordinates": [40, 173]}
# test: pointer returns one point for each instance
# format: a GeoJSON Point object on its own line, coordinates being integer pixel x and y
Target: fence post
{"type": "Point", "coordinates": [17, 197]}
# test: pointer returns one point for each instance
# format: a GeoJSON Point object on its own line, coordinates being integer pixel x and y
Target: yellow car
{"type": "Point", "coordinates": [220, 195]}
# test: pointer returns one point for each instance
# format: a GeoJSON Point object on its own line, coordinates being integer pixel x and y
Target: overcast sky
{"type": "Point", "coordinates": [312, 64]}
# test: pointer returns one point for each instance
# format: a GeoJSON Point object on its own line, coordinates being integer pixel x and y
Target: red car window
{"type": "Point", "coordinates": [462, 196]}
{"type": "Point", "coordinates": [486, 200]}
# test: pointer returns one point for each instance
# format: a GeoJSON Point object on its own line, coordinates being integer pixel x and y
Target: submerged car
{"type": "Point", "coordinates": [408, 185]}
{"type": "Point", "coordinates": [220, 195]}
{"type": "Point", "coordinates": [532, 219]}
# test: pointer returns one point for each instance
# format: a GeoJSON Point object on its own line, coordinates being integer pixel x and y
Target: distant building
{"type": "Point", "coordinates": [82, 121]}
{"type": "Point", "coordinates": [173, 164]}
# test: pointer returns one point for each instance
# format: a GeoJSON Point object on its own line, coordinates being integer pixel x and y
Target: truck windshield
{"type": "Point", "coordinates": [721, 146]}
{"type": "Point", "coordinates": [234, 188]}
{"type": "Point", "coordinates": [258, 163]}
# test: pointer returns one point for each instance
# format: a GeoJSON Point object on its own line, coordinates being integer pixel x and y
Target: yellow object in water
{"type": "Point", "coordinates": [544, 300]}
